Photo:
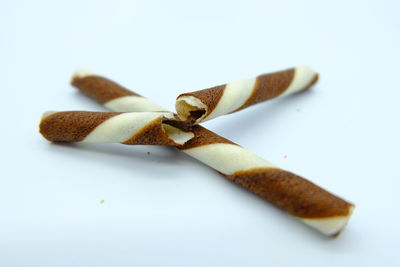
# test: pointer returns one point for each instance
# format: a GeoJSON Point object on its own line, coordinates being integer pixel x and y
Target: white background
{"type": "Point", "coordinates": [166, 209]}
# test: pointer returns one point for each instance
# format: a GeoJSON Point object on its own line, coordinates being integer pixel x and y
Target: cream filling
{"type": "Point", "coordinates": [178, 136]}
{"type": "Point", "coordinates": [122, 127]}
{"type": "Point", "coordinates": [303, 75]}
{"type": "Point", "coordinates": [185, 104]}
{"type": "Point", "coordinates": [132, 104]}
{"type": "Point", "coordinates": [227, 158]}
{"type": "Point", "coordinates": [329, 226]}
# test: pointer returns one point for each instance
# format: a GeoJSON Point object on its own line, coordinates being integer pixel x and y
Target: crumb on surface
{"type": "Point", "coordinates": [148, 153]}
{"type": "Point", "coordinates": [102, 201]}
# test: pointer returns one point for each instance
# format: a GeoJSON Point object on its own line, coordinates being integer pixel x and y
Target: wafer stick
{"type": "Point", "coordinates": [133, 128]}
{"type": "Point", "coordinates": [299, 197]}
{"type": "Point", "coordinates": [213, 102]}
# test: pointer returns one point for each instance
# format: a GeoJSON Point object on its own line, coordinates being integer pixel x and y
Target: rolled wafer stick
{"type": "Point", "coordinates": [213, 102]}
{"type": "Point", "coordinates": [133, 128]}
{"type": "Point", "coordinates": [299, 197]}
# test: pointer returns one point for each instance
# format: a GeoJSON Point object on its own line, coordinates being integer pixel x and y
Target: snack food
{"type": "Point", "coordinates": [213, 102]}
{"type": "Point", "coordinates": [299, 197]}
{"type": "Point", "coordinates": [133, 128]}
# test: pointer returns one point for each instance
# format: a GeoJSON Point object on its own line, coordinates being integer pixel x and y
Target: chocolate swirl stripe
{"type": "Point", "coordinates": [299, 197]}
{"type": "Point", "coordinates": [213, 102]}
{"type": "Point", "coordinates": [112, 95]}
{"type": "Point", "coordinates": [133, 128]}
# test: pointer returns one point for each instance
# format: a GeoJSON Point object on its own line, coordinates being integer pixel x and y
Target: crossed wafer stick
{"type": "Point", "coordinates": [148, 123]}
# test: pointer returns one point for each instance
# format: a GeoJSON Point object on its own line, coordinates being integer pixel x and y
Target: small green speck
{"type": "Point", "coordinates": [102, 201]}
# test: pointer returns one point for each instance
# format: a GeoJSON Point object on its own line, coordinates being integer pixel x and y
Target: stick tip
{"type": "Point", "coordinates": [81, 73]}
{"type": "Point", "coordinates": [47, 113]}
{"type": "Point", "coordinates": [330, 226]}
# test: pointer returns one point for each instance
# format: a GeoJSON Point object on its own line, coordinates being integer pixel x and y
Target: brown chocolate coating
{"type": "Point", "coordinates": [202, 137]}
{"type": "Point", "coordinates": [180, 124]}
{"type": "Point", "coordinates": [210, 96]}
{"type": "Point", "coordinates": [269, 86]}
{"type": "Point", "coordinates": [72, 126]}
{"type": "Point", "coordinates": [291, 193]}
{"type": "Point", "coordinates": [101, 89]}
{"type": "Point", "coordinates": [152, 134]}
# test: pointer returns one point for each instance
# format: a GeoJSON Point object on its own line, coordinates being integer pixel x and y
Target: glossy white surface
{"type": "Point", "coordinates": [164, 208]}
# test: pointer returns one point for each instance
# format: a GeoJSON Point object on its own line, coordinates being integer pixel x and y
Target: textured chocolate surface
{"type": "Point", "coordinates": [72, 126]}
{"type": "Point", "coordinates": [291, 193]}
{"type": "Point", "coordinates": [202, 137]}
{"type": "Point", "coordinates": [180, 124]}
{"type": "Point", "coordinates": [101, 89]}
{"type": "Point", "coordinates": [152, 134]}
{"type": "Point", "coordinates": [269, 86]}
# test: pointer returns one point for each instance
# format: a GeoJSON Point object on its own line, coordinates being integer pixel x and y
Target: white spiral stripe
{"type": "Point", "coordinates": [227, 158]}
{"type": "Point", "coordinates": [120, 128]}
{"type": "Point", "coordinates": [303, 75]}
{"type": "Point", "coordinates": [329, 226]}
{"type": "Point", "coordinates": [132, 104]}
{"type": "Point", "coordinates": [234, 96]}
